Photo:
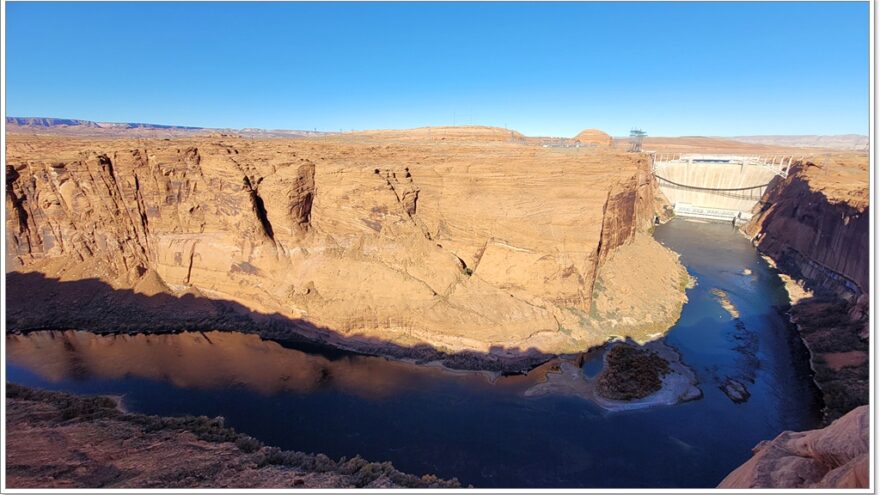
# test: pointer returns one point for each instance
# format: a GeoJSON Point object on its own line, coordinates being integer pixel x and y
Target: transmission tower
{"type": "Point", "coordinates": [635, 140]}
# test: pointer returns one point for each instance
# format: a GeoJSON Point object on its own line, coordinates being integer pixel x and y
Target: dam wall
{"type": "Point", "coordinates": [721, 187]}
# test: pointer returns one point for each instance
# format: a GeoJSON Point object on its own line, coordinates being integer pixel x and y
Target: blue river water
{"type": "Point", "coordinates": [484, 432]}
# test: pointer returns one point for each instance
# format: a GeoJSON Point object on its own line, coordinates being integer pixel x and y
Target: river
{"type": "Point", "coordinates": [485, 432]}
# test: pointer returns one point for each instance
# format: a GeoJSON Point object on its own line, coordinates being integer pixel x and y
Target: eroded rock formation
{"type": "Point", "coordinates": [836, 456]}
{"type": "Point", "coordinates": [814, 233]}
{"type": "Point", "coordinates": [481, 247]}
{"type": "Point", "coordinates": [814, 224]}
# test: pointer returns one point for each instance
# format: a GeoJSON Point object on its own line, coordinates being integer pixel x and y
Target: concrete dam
{"type": "Point", "coordinates": [716, 187]}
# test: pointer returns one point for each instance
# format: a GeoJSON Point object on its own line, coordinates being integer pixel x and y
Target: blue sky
{"type": "Point", "coordinates": [540, 68]}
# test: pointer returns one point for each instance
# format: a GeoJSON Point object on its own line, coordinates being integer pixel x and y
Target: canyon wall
{"type": "Point", "coordinates": [818, 239]}
{"type": "Point", "coordinates": [480, 247]}
{"type": "Point", "coordinates": [815, 226]}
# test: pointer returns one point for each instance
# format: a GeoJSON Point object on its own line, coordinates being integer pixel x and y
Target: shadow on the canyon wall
{"type": "Point", "coordinates": [36, 302]}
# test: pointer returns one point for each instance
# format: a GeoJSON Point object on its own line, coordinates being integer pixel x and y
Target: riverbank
{"type": "Point", "coordinates": [486, 433]}
{"type": "Point", "coordinates": [813, 227]}
{"type": "Point", "coordinates": [58, 440]}
{"type": "Point", "coordinates": [677, 384]}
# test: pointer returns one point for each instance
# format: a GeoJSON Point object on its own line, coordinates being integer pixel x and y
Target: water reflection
{"type": "Point", "coordinates": [427, 420]}
{"type": "Point", "coordinates": [212, 360]}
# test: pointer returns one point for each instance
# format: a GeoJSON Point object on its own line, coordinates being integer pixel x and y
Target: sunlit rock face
{"type": "Point", "coordinates": [836, 456]}
{"type": "Point", "coordinates": [468, 244]}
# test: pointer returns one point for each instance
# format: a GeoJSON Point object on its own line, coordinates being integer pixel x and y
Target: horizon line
{"type": "Point", "coordinates": [12, 120]}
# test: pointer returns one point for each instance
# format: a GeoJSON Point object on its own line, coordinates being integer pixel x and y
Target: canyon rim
{"type": "Point", "coordinates": [445, 246]}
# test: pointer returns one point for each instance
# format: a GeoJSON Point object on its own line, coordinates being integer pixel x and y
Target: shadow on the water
{"type": "Point", "coordinates": [36, 302]}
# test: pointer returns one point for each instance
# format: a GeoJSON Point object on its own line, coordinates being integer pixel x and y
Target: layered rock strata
{"type": "Point", "coordinates": [467, 248]}
{"type": "Point", "coordinates": [814, 225]}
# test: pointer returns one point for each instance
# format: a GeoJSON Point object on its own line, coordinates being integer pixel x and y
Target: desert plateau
{"type": "Point", "coordinates": [437, 246]}
{"type": "Point", "coordinates": [472, 253]}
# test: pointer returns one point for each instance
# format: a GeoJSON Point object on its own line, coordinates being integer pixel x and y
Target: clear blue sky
{"type": "Point", "coordinates": [543, 69]}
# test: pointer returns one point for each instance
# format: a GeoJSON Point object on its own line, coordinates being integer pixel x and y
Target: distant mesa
{"type": "Point", "coordinates": [594, 137]}
{"type": "Point", "coordinates": [88, 128]}
{"type": "Point", "coordinates": [48, 122]}
{"type": "Point", "coordinates": [53, 122]}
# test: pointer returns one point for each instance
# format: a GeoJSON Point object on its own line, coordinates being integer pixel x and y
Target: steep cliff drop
{"type": "Point", "coordinates": [815, 226]}
{"type": "Point", "coordinates": [480, 252]}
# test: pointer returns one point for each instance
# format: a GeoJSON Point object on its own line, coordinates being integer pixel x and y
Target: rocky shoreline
{"type": "Point", "coordinates": [835, 333]}
{"type": "Point", "coordinates": [677, 384]}
{"type": "Point", "coordinates": [814, 228]}
{"type": "Point", "coordinates": [59, 440]}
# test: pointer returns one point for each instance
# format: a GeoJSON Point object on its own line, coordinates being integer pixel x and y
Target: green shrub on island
{"type": "Point", "coordinates": [631, 373]}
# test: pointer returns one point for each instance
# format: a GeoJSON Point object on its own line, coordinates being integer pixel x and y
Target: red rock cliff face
{"type": "Point", "coordinates": [824, 243]}
{"type": "Point", "coordinates": [815, 225]}
{"type": "Point", "coordinates": [463, 247]}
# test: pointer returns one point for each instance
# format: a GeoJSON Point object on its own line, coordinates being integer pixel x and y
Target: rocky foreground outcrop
{"type": "Point", "coordinates": [473, 248]}
{"type": "Point", "coordinates": [836, 456]}
{"type": "Point", "coordinates": [814, 225]}
{"type": "Point", "coordinates": [57, 440]}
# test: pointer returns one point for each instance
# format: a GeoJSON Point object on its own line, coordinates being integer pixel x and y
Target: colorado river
{"type": "Point", "coordinates": [485, 432]}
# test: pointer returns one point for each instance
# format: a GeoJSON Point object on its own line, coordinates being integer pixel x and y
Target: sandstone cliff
{"type": "Point", "coordinates": [817, 233]}
{"type": "Point", "coordinates": [814, 224]}
{"type": "Point", "coordinates": [836, 456]}
{"type": "Point", "coordinates": [481, 247]}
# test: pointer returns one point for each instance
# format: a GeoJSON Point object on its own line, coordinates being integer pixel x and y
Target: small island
{"type": "Point", "coordinates": [631, 373]}
{"type": "Point", "coordinates": [632, 377]}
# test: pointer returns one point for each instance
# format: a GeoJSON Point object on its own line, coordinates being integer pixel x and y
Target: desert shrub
{"type": "Point", "coordinates": [247, 444]}
{"type": "Point", "coordinates": [367, 474]}
{"type": "Point", "coordinates": [631, 373]}
{"type": "Point", "coordinates": [324, 464]}
{"type": "Point", "coordinates": [842, 397]}
{"type": "Point", "coordinates": [213, 429]}
{"type": "Point", "coordinates": [351, 466]}
{"type": "Point", "coordinates": [70, 406]}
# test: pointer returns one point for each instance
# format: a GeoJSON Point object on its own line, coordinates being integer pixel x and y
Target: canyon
{"type": "Point", "coordinates": [814, 225]}
{"type": "Point", "coordinates": [474, 247]}
{"type": "Point", "coordinates": [477, 251]}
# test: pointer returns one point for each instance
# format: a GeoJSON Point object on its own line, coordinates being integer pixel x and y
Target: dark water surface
{"type": "Point", "coordinates": [426, 420]}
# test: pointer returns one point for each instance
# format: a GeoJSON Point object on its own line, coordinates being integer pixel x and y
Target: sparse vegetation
{"type": "Point", "coordinates": [631, 373]}
{"type": "Point", "coordinates": [826, 327]}
{"type": "Point", "coordinates": [89, 408]}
